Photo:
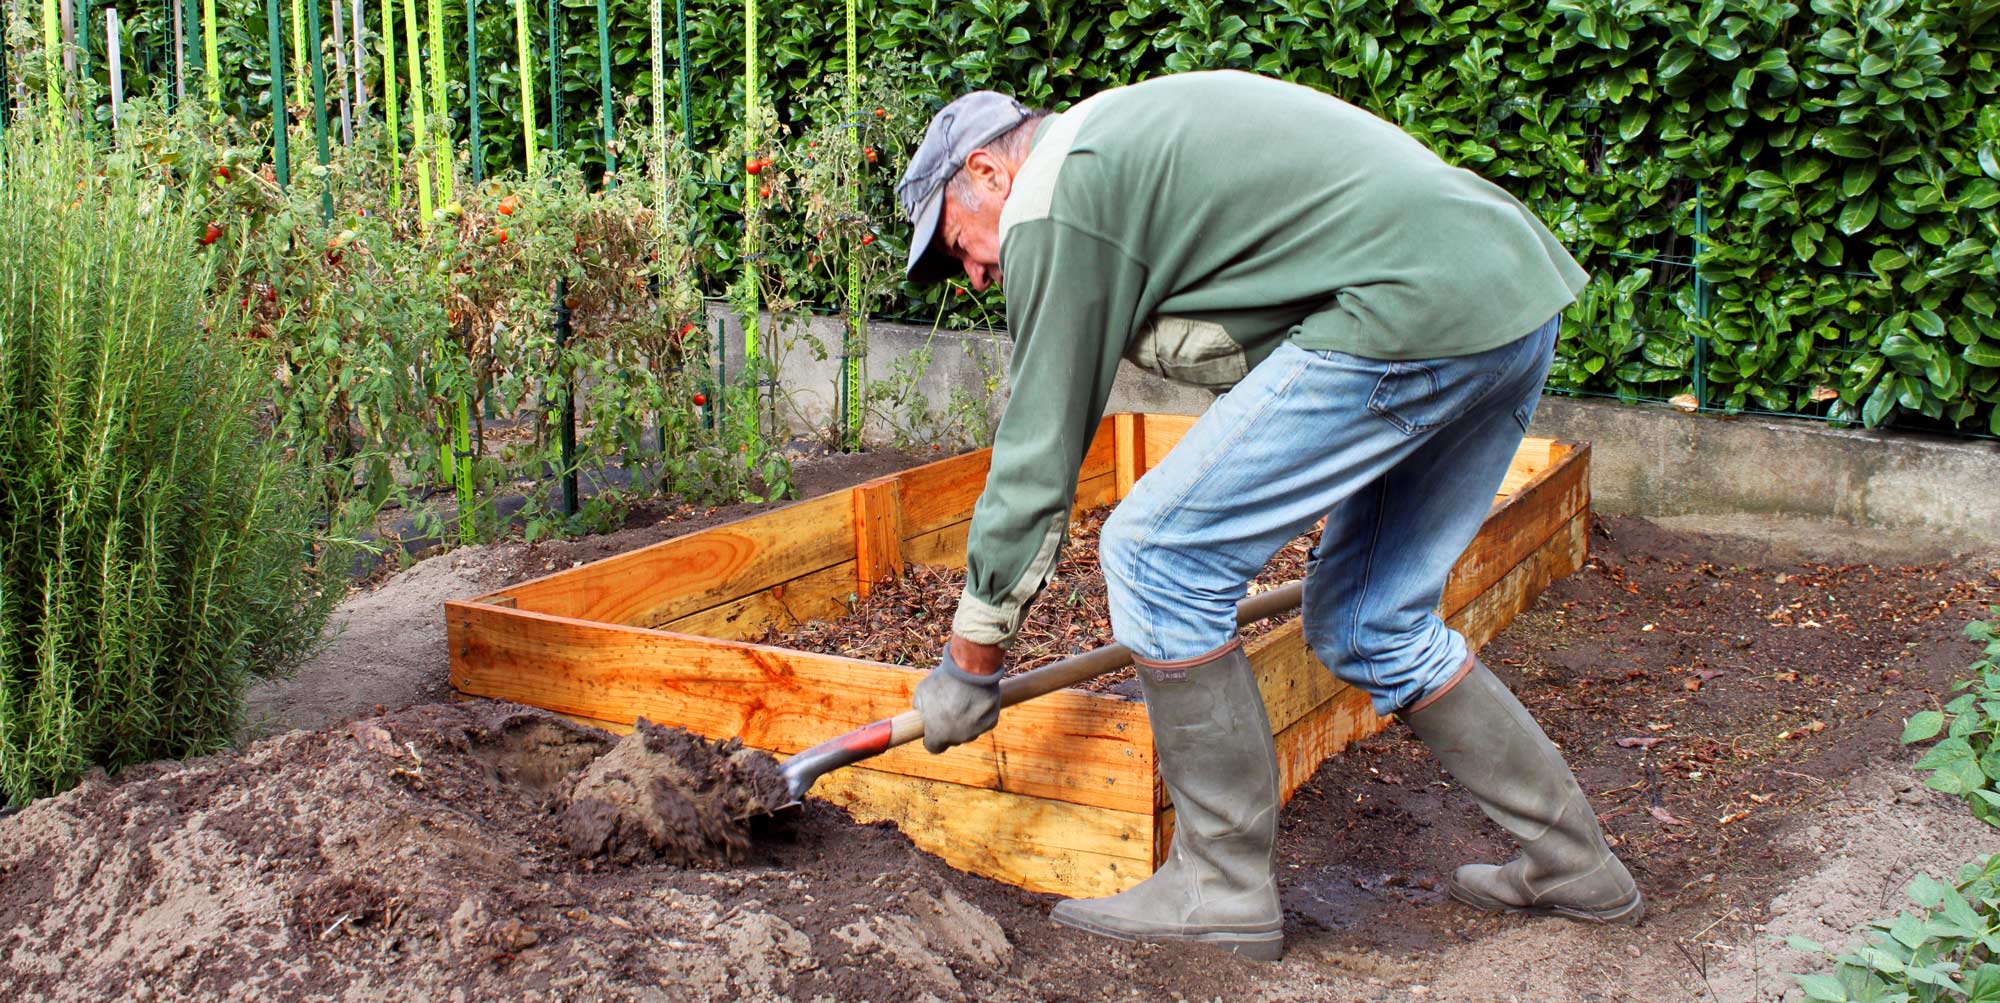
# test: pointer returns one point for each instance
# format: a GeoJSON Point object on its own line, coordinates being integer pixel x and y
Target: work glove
{"type": "Point", "coordinates": [958, 706]}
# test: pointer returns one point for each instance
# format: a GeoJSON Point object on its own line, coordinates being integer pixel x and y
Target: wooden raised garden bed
{"type": "Point", "coordinates": [1063, 796]}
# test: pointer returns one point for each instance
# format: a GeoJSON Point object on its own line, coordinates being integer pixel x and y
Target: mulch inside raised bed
{"type": "Point", "coordinates": [908, 621]}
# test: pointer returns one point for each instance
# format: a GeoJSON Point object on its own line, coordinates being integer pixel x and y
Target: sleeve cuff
{"type": "Point", "coordinates": [982, 623]}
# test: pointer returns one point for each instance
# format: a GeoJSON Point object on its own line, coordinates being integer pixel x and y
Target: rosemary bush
{"type": "Point", "coordinates": [156, 551]}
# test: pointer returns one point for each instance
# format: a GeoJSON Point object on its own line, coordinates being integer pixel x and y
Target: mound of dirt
{"type": "Point", "coordinates": [428, 855]}
{"type": "Point", "coordinates": [667, 794]}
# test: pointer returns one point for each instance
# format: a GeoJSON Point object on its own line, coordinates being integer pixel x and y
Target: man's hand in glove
{"type": "Point", "coordinates": [960, 699]}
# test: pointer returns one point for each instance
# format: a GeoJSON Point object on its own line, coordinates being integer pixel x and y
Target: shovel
{"type": "Point", "coordinates": [870, 740]}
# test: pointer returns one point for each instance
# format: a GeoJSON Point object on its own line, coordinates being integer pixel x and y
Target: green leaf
{"type": "Point", "coordinates": [1858, 177]}
{"type": "Point", "coordinates": [1632, 124]}
{"type": "Point", "coordinates": [1959, 777]}
{"type": "Point", "coordinates": [1985, 353]}
{"type": "Point", "coordinates": [1888, 260]}
{"type": "Point", "coordinates": [1856, 215]}
{"type": "Point", "coordinates": [1842, 141]}
{"type": "Point", "coordinates": [1925, 890]}
{"type": "Point", "coordinates": [1923, 726]}
{"type": "Point", "coordinates": [1822, 988]}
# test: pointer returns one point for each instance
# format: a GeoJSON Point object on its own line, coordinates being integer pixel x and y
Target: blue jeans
{"type": "Point", "coordinates": [1402, 458]}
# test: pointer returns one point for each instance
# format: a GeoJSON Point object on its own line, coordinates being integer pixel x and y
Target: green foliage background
{"type": "Point", "coordinates": [1793, 203]}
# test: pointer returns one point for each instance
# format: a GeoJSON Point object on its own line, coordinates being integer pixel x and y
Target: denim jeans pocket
{"type": "Point", "coordinates": [1416, 397]}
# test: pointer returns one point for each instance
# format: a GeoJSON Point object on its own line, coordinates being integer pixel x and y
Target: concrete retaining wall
{"type": "Point", "coordinates": [1646, 460]}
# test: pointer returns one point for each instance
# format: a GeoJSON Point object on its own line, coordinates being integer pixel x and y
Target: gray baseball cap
{"type": "Point", "coordinates": [965, 125]}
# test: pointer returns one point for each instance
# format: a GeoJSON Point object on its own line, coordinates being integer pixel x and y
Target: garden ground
{"type": "Point", "coordinates": [1732, 705]}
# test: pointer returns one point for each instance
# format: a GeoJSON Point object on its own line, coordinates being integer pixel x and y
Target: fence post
{"type": "Point", "coordinates": [111, 59]}
{"type": "Point", "coordinates": [854, 340]}
{"type": "Point", "coordinates": [83, 37]}
{"type": "Point", "coordinates": [340, 75]}
{"type": "Point", "coordinates": [568, 429]}
{"type": "Point", "coordinates": [360, 26]}
{"type": "Point", "coordinates": [751, 123]}
{"type": "Point", "coordinates": [299, 49]}
{"type": "Point", "coordinates": [280, 115]}
{"type": "Point", "coordinates": [1700, 299]}
{"type": "Point", "coordinates": [608, 128]}
{"type": "Point", "coordinates": [526, 72]}
{"type": "Point", "coordinates": [209, 60]}
{"type": "Point", "coordinates": [419, 129]}
{"type": "Point", "coordinates": [389, 101]}
{"type": "Point", "coordinates": [52, 49]}
{"type": "Point", "coordinates": [440, 115]}
{"type": "Point", "coordinates": [472, 87]}
{"type": "Point", "coordinates": [555, 80]}
{"type": "Point", "coordinates": [319, 115]}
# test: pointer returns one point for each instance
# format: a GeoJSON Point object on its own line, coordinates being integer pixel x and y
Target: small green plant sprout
{"type": "Point", "coordinates": [1966, 762]}
{"type": "Point", "coordinates": [1943, 950]}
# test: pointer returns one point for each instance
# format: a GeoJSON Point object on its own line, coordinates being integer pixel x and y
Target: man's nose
{"type": "Point", "coordinates": [978, 275]}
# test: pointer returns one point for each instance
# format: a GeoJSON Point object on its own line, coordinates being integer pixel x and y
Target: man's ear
{"type": "Point", "coordinates": [990, 173]}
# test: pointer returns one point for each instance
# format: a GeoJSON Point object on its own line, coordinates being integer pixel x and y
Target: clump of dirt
{"type": "Point", "coordinates": [907, 621]}
{"type": "Point", "coordinates": [668, 794]}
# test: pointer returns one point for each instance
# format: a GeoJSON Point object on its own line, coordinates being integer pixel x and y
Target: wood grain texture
{"type": "Point", "coordinates": [688, 574]}
{"type": "Point", "coordinates": [1074, 746]}
{"type": "Point", "coordinates": [1129, 449]}
{"type": "Point", "coordinates": [945, 545]}
{"type": "Point", "coordinates": [1491, 612]}
{"type": "Point", "coordinates": [938, 495]}
{"type": "Point", "coordinates": [878, 533]}
{"type": "Point", "coordinates": [1289, 675]}
{"type": "Point", "coordinates": [821, 595]}
{"type": "Point", "coordinates": [1162, 433]}
{"type": "Point", "coordinates": [1332, 726]}
{"type": "Point", "coordinates": [1518, 524]}
{"type": "Point", "coordinates": [1038, 844]}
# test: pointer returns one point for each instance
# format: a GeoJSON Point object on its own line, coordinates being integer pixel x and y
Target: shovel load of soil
{"type": "Point", "coordinates": [908, 621]}
{"type": "Point", "coordinates": [668, 794]}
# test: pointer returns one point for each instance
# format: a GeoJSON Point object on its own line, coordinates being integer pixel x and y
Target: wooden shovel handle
{"type": "Point", "coordinates": [874, 739]}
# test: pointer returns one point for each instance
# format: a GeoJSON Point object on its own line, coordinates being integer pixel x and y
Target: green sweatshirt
{"type": "Point", "coordinates": [1194, 223]}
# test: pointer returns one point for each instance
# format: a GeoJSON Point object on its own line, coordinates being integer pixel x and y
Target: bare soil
{"type": "Point", "coordinates": [1732, 707]}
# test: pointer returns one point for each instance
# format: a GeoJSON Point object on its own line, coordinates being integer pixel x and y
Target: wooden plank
{"type": "Point", "coordinates": [1036, 843]}
{"type": "Point", "coordinates": [1163, 433]}
{"type": "Point", "coordinates": [1517, 526]}
{"type": "Point", "coordinates": [1074, 746]}
{"type": "Point", "coordinates": [692, 573]}
{"type": "Point", "coordinates": [945, 545]}
{"type": "Point", "coordinates": [936, 495]}
{"type": "Point", "coordinates": [1130, 447]}
{"type": "Point", "coordinates": [939, 494]}
{"type": "Point", "coordinates": [1346, 718]}
{"type": "Point", "coordinates": [1534, 456]}
{"type": "Point", "coordinates": [1558, 556]}
{"type": "Point", "coordinates": [822, 595]}
{"type": "Point", "coordinates": [1041, 845]}
{"type": "Point", "coordinates": [1289, 675]}
{"type": "Point", "coordinates": [878, 533]}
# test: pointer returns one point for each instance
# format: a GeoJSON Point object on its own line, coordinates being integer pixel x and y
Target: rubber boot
{"type": "Point", "coordinates": [1213, 742]}
{"type": "Point", "coordinates": [1493, 748]}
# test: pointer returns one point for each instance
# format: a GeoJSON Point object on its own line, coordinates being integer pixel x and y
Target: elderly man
{"type": "Point", "coordinates": [1379, 325]}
